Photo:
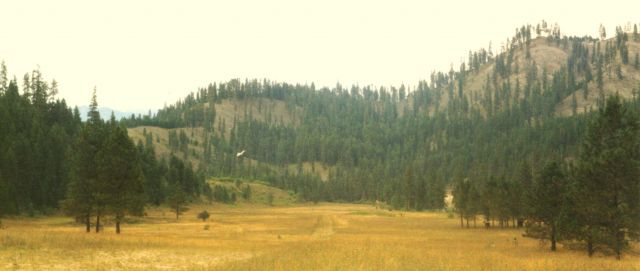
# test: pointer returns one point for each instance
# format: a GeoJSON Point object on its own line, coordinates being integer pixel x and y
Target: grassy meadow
{"type": "Point", "coordinates": [294, 237]}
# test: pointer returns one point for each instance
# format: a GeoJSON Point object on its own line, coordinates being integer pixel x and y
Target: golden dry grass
{"type": "Point", "coordinates": [302, 237]}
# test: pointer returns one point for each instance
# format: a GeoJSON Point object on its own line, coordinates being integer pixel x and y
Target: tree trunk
{"type": "Point", "coordinates": [590, 247]}
{"type": "Point", "coordinates": [619, 240]}
{"type": "Point", "coordinates": [553, 237]}
{"type": "Point", "coordinates": [87, 222]}
{"type": "Point", "coordinates": [118, 218]}
{"type": "Point", "coordinates": [97, 223]}
{"type": "Point", "coordinates": [461, 221]}
{"type": "Point", "coordinates": [177, 212]}
{"type": "Point", "coordinates": [467, 219]}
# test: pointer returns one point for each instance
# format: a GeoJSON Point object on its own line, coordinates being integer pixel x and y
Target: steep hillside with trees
{"type": "Point", "coordinates": [404, 145]}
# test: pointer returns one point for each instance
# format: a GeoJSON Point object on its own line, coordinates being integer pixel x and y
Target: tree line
{"type": "Point", "coordinates": [50, 160]}
{"type": "Point", "coordinates": [593, 199]}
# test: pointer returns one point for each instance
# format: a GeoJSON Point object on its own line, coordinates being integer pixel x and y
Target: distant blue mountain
{"type": "Point", "coordinates": [105, 112]}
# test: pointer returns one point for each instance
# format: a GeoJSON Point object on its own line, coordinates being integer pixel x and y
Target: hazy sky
{"type": "Point", "coordinates": [141, 54]}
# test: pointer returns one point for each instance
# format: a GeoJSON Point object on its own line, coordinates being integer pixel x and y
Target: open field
{"type": "Point", "coordinates": [298, 237]}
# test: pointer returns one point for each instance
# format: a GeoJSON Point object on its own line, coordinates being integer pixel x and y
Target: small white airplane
{"type": "Point", "coordinates": [240, 154]}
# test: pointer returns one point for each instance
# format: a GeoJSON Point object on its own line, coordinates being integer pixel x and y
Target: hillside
{"type": "Point", "coordinates": [160, 140]}
{"type": "Point", "coordinates": [405, 145]}
{"type": "Point", "coordinates": [260, 192]}
{"type": "Point", "coordinates": [547, 56]}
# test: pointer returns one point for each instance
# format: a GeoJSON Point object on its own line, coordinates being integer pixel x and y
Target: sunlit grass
{"type": "Point", "coordinates": [303, 237]}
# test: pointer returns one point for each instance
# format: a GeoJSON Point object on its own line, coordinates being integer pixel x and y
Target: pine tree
{"type": "Point", "coordinates": [53, 90]}
{"type": "Point", "coordinates": [525, 178]}
{"type": "Point", "coordinates": [4, 83]}
{"type": "Point", "coordinates": [461, 198]}
{"type": "Point", "coordinates": [609, 177]}
{"type": "Point", "coordinates": [26, 86]}
{"type": "Point", "coordinates": [82, 196]}
{"type": "Point", "coordinates": [154, 174]}
{"type": "Point", "coordinates": [4, 197]}
{"type": "Point", "coordinates": [619, 72]}
{"type": "Point", "coordinates": [574, 104]}
{"type": "Point", "coordinates": [600, 83]}
{"type": "Point", "coordinates": [120, 174]}
{"type": "Point", "coordinates": [177, 200]}
{"type": "Point", "coordinates": [549, 194]}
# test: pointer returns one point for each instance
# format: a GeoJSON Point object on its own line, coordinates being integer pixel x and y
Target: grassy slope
{"type": "Point", "coordinates": [259, 192]}
{"type": "Point", "coordinates": [161, 145]}
{"type": "Point", "coordinates": [161, 140]}
{"type": "Point", "coordinates": [301, 237]}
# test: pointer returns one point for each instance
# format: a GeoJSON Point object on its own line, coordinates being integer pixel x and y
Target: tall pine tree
{"type": "Point", "coordinates": [608, 176]}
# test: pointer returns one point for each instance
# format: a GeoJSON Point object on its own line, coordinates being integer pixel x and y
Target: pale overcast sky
{"type": "Point", "coordinates": [141, 54]}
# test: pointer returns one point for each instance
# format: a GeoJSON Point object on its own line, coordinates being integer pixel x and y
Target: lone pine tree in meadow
{"type": "Point", "coordinates": [177, 200]}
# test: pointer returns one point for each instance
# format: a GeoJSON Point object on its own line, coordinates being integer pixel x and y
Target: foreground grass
{"type": "Point", "coordinates": [304, 237]}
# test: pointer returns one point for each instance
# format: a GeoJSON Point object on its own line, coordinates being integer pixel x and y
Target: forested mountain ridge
{"type": "Point", "coordinates": [526, 66]}
{"type": "Point", "coordinates": [405, 145]}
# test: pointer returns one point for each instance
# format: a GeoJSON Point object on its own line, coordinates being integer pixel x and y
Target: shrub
{"type": "Point", "coordinates": [204, 215]}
